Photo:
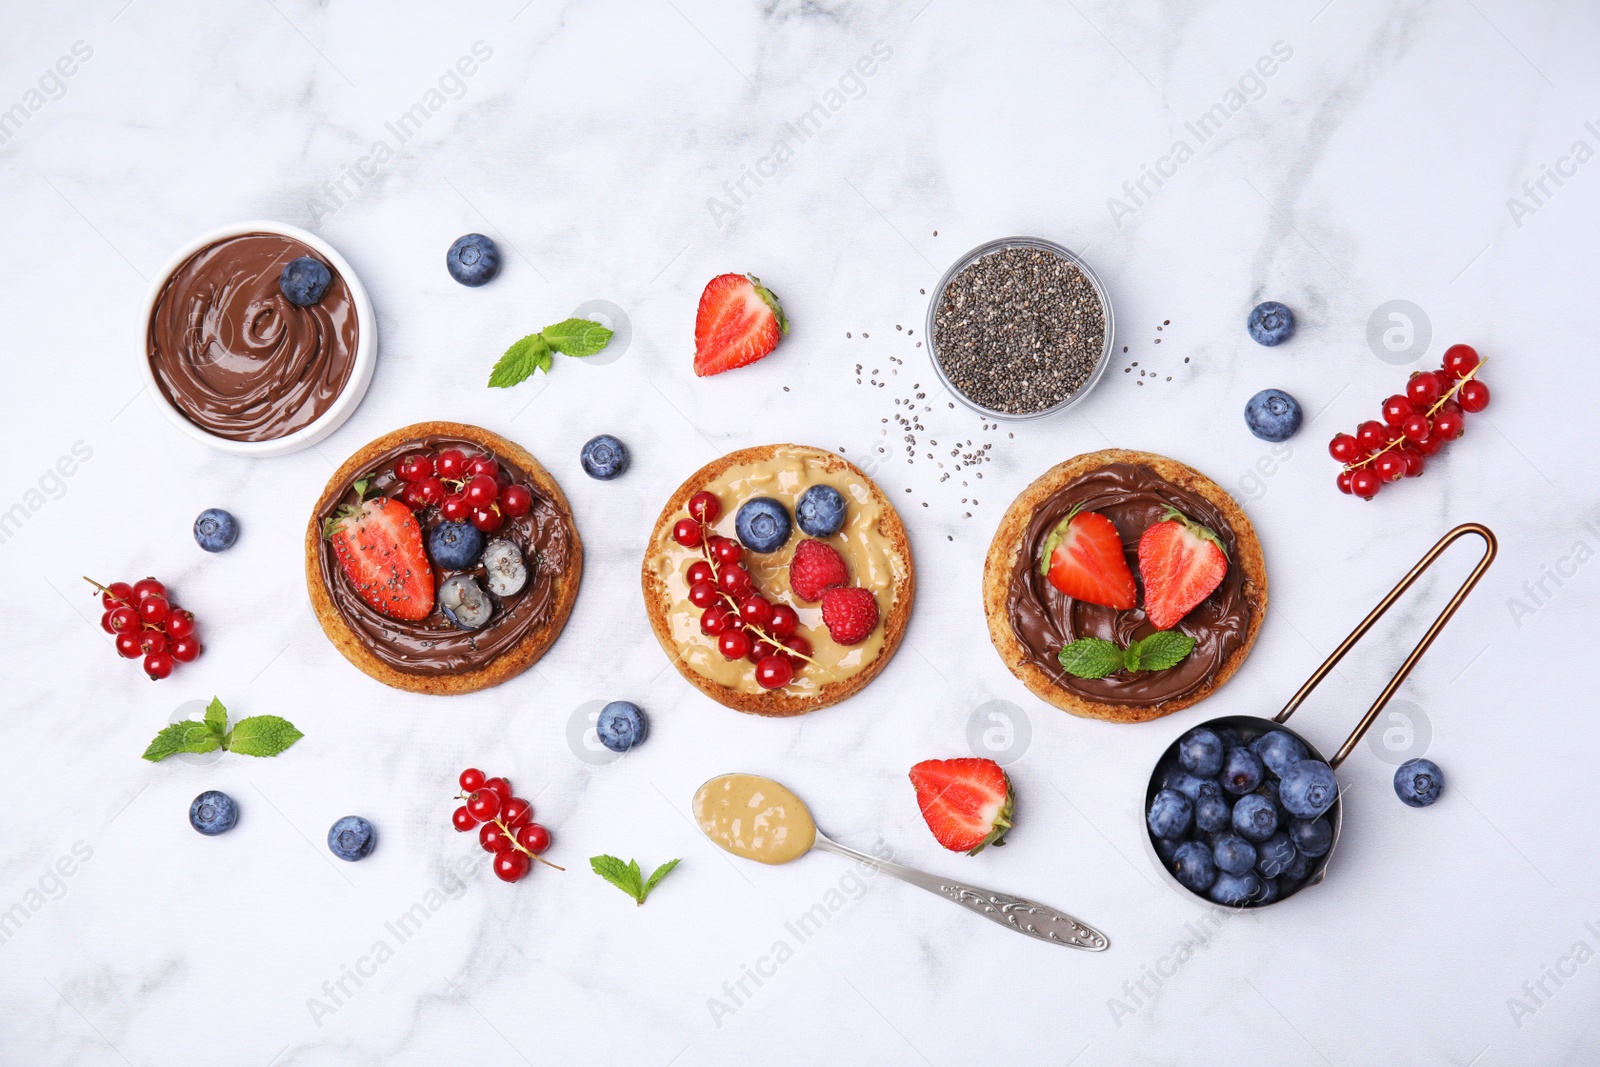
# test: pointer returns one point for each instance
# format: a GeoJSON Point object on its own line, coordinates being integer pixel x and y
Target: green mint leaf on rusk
{"type": "Point", "coordinates": [1163, 649]}
{"type": "Point", "coordinates": [1090, 657]}
{"type": "Point", "coordinates": [217, 718]}
{"type": "Point", "coordinates": [261, 735]}
{"type": "Point", "coordinates": [577, 337]}
{"type": "Point", "coordinates": [1131, 656]}
{"type": "Point", "coordinates": [191, 735]}
{"type": "Point", "coordinates": [521, 360]}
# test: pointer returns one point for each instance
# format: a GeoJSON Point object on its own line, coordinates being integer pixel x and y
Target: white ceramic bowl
{"type": "Point", "coordinates": [343, 406]}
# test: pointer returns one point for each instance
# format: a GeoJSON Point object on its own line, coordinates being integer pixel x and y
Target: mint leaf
{"type": "Point", "coordinates": [521, 360]}
{"type": "Point", "coordinates": [576, 337]}
{"type": "Point", "coordinates": [1131, 656]}
{"type": "Point", "coordinates": [1163, 649]}
{"type": "Point", "coordinates": [625, 876]}
{"type": "Point", "coordinates": [660, 873]}
{"type": "Point", "coordinates": [188, 736]}
{"type": "Point", "coordinates": [217, 717]}
{"type": "Point", "coordinates": [1090, 657]}
{"type": "Point", "coordinates": [261, 735]}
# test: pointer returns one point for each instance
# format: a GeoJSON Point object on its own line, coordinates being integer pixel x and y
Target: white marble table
{"type": "Point", "coordinates": [626, 152]}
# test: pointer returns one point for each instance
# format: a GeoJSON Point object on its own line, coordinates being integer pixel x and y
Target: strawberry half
{"type": "Point", "coordinates": [739, 322]}
{"type": "Point", "coordinates": [967, 803]}
{"type": "Point", "coordinates": [379, 545]}
{"type": "Point", "coordinates": [1083, 558]}
{"type": "Point", "coordinates": [1181, 563]}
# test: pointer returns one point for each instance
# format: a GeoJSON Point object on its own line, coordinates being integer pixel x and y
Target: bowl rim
{"type": "Point", "coordinates": [343, 406]}
{"type": "Point", "coordinates": [1107, 347]}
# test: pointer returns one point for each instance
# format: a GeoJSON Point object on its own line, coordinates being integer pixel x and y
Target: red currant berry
{"type": "Point", "coordinates": [700, 571]}
{"type": "Point", "coordinates": [122, 619]}
{"type": "Point", "coordinates": [501, 788]}
{"type": "Point", "coordinates": [1370, 436]}
{"type": "Point", "coordinates": [785, 621]}
{"type": "Point", "coordinates": [472, 780]}
{"type": "Point", "coordinates": [179, 623]}
{"type": "Point", "coordinates": [488, 519]}
{"type": "Point", "coordinates": [152, 641]}
{"type": "Point", "coordinates": [755, 610]}
{"type": "Point", "coordinates": [801, 648]}
{"type": "Point", "coordinates": [516, 812]}
{"type": "Point", "coordinates": [687, 533]}
{"type": "Point", "coordinates": [705, 507]}
{"type": "Point", "coordinates": [761, 650]}
{"type": "Point", "coordinates": [1460, 360]}
{"type": "Point", "coordinates": [1415, 427]}
{"type": "Point", "coordinates": [148, 587]}
{"type": "Point", "coordinates": [105, 623]}
{"type": "Point", "coordinates": [431, 491]}
{"type": "Point", "coordinates": [493, 839]}
{"type": "Point", "coordinates": [774, 672]}
{"type": "Point", "coordinates": [727, 550]}
{"type": "Point", "coordinates": [1344, 482]}
{"type": "Point", "coordinates": [128, 644]}
{"type": "Point", "coordinates": [455, 508]}
{"type": "Point", "coordinates": [462, 819]}
{"type": "Point", "coordinates": [450, 465]}
{"type": "Point", "coordinates": [516, 501]}
{"type": "Point", "coordinates": [117, 593]}
{"type": "Point", "coordinates": [1397, 409]}
{"type": "Point", "coordinates": [482, 491]}
{"type": "Point", "coordinates": [703, 594]}
{"type": "Point", "coordinates": [1474, 396]}
{"type": "Point", "coordinates": [1343, 448]}
{"type": "Point", "coordinates": [483, 466]}
{"type": "Point", "coordinates": [157, 665]}
{"type": "Point", "coordinates": [411, 496]}
{"type": "Point", "coordinates": [733, 644]}
{"type": "Point", "coordinates": [1414, 461]}
{"type": "Point", "coordinates": [414, 468]}
{"type": "Point", "coordinates": [734, 580]}
{"type": "Point", "coordinates": [184, 649]}
{"type": "Point", "coordinates": [1424, 388]}
{"type": "Point", "coordinates": [511, 865]}
{"type": "Point", "coordinates": [714, 620]}
{"type": "Point", "coordinates": [1431, 445]}
{"type": "Point", "coordinates": [533, 837]}
{"type": "Point", "coordinates": [1449, 424]}
{"type": "Point", "coordinates": [1390, 467]}
{"type": "Point", "coordinates": [484, 804]}
{"type": "Point", "coordinates": [1365, 483]}
{"type": "Point", "coordinates": [153, 609]}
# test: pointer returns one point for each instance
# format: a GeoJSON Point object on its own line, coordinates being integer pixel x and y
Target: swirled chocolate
{"type": "Point", "coordinates": [235, 356]}
{"type": "Point", "coordinates": [434, 645]}
{"type": "Point", "coordinates": [1134, 498]}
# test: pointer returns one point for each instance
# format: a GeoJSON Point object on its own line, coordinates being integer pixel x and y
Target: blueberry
{"type": "Point", "coordinates": [1211, 813]}
{"type": "Point", "coordinates": [1269, 789]}
{"type": "Point", "coordinates": [1242, 771]}
{"type": "Point", "coordinates": [1170, 814]}
{"type": "Point", "coordinates": [503, 568]}
{"type": "Point", "coordinates": [215, 530]}
{"type": "Point", "coordinates": [1233, 854]}
{"type": "Point", "coordinates": [762, 524]}
{"type": "Point", "coordinates": [1193, 867]}
{"type": "Point", "coordinates": [1272, 415]}
{"type": "Point", "coordinates": [1236, 890]}
{"type": "Point", "coordinates": [464, 603]}
{"type": "Point", "coordinates": [1312, 837]}
{"type": "Point", "coordinates": [213, 813]}
{"type": "Point", "coordinates": [1418, 782]}
{"type": "Point", "coordinates": [820, 511]}
{"type": "Point", "coordinates": [1308, 789]}
{"type": "Point", "coordinates": [1255, 818]}
{"type": "Point", "coordinates": [1274, 855]}
{"type": "Point", "coordinates": [1270, 891]}
{"type": "Point", "coordinates": [1270, 323]}
{"type": "Point", "coordinates": [455, 546]}
{"type": "Point", "coordinates": [1230, 738]}
{"type": "Point", "coordinates": [473, 259]}
{"type": "Point", "coordinates": [1278, 749]}
{"type": "Point", "coordinates": [1200, 752]}
{"type": "Point", "coordinates": [1167, 850]}
{"type": "Point", "coordinates": [621, 725]}
{"type": "Point", "coordinates": [304, 280]}
{"type": "Point", "coordinates": [1192, 786]}
{"type": "Point", "coordinates": [604, 457]}
{"type": "Point", "coordinates": [1298, 868]}
{"type": "Point", "coordinates": [352, 838]}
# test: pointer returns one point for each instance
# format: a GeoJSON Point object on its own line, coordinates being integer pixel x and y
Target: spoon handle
{"type": "Point", "coordinates": [1014, 913]}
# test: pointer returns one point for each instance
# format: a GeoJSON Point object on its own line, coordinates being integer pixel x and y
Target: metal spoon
{"type": "Point", "coordinates": [1014, 913]}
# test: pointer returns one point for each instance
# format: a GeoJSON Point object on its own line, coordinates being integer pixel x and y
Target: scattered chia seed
{"type": "Point", "coordinates": [1018, 330]}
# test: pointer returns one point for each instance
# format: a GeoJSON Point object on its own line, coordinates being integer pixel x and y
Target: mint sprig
{"type": "Point", "coordinates": [257, 735]}
{"type": "Point", "coordinates": [536, 352]}
{"type": "Point", "coordinates": [1092, 657]}
{"type": "Point", "coordinates": [628, 877]}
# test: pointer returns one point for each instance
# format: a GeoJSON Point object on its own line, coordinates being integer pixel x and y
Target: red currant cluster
{"type": "Point", "coordinates": [476, 490]}
{"type": "Point", "coordinates": [504, 822]}
{"type": "Point", "coordinates": [146, 623]}
{"type": "Point", "coordinates": [1416, 424]}
{"type": "Point", "coordinates": [745, 624]}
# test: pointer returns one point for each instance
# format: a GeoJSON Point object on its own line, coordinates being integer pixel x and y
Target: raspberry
{"type": "Point", "coordinates": [850, 614]}
{"type": "Point", "coordinates": [815, 568]}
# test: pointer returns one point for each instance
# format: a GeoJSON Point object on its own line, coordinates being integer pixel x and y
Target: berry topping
{"type": "Point", "coordinates": [850, 614]}
{"type": "Point", "coordinates": [379, 545]}
{"type": "Point", "coordinates": [774, 672]}
{"type": "Point", "coordinates": [704, 507]}
{"type": "Point", "coordinates": [967, 803]}
{"type": "Point", "coordinates": [1273, 415]}
{"type": "Point", "coordinates": [473, 259]}
{"type": "Point", "coordinates": [516, 501]}
{"type": "Point", "coordinates": [451, 465]}
{"type": "Point", "coordinates": [762, 524]}
{"type": "Point", "coordinates": [815, 568]}
{"type": "Point", "coordinates": [352, 838]}
{"type": "Point", "coordinates": [1270, 323]}
{"type": "Point", "coordinates": [820, 511]}
{"type": "Point", "coordinates": [455, 546]}
{"type": "Point", "coordinates": [622, 725]}
{"type": "Point", "coordinates": [738, 322]}
{"type": "Point", "coordinates": [687, 533]}
{"type": "Point", "coordinates": [215, 530]}
{"type": "Point", "coordinates": [503, 568]}
{"type": "Point", "coordinates": [1083, 558]}
{"type": "Point", "coordinates": [304, 281]}
{"type": "Point", "coordinates": [1181, 562]}
{"type": "Point", "coordinates": [604, 457]}
{"type": "Point", "coordinates": [464, 603]}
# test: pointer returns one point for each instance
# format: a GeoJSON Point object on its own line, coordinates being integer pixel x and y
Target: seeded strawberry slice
{"type": "Point", "coordinates": [379, 545]}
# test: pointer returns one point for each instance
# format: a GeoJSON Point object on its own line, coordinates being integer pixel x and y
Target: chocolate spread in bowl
{"type": "Point", "coordinates": [435, 646]}
{"type": "Point", "coordinates": [1134, 498]}
{"type": "Point", "coordinates": [232, 353]}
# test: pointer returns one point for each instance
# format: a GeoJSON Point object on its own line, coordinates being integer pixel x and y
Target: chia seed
{"type": "Point", "coordinates": [1019, 330]}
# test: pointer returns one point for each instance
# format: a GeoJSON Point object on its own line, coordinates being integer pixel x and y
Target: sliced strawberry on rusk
{"type": "Point", "coordinates": [1181, 562]}
{"type": "Point", "coordinates": [379, 545]}
{"type": "Point", "coordinates": [739, 322]}
{"type": "Point", "coordinates": [967, 803]}
{"type": "Point", "coordinates": [1083, 558]}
